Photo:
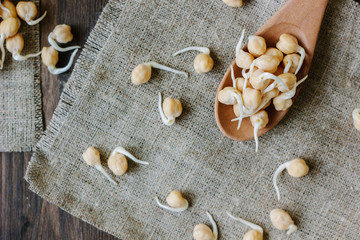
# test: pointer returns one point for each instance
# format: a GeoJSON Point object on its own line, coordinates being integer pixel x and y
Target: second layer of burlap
{"type": "Point", "coordinates": [101, 107]}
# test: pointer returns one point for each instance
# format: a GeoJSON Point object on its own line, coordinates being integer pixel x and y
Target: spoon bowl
{"type": "Point", "coordinates": [300, 18]}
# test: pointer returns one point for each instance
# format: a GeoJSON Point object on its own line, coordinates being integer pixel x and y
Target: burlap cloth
{"type": "Point", "coordinates": [21, 123]}
{"type": "Point", "coordinates": [101, 107]}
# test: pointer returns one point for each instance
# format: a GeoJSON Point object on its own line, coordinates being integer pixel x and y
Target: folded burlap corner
{"type": "Point", "coordinates": [21, 122]}
{"type": "Point", "coordinates": [101, 107]}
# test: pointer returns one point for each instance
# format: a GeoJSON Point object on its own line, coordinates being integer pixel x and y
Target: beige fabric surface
{"type": "Point", "coordinates": [21, 123]}
{"type": "Point", "coordinates": [101, 107]}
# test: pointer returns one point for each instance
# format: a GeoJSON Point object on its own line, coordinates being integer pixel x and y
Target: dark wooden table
{"type": "Point", "coordinates": [23, 214]}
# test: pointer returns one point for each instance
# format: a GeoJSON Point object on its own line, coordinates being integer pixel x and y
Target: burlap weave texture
{"type": "Point", "coordinates": [21, 123]}
{"type": "Point", "coordinates": [101, 107]}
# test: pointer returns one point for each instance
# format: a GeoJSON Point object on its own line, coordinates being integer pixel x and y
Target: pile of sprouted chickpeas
{"type": "Point", "coordinates": [9, 32]}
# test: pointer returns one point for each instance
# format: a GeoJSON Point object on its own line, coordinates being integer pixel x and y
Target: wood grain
{"type": "Point", "coordinates": [23, 214]}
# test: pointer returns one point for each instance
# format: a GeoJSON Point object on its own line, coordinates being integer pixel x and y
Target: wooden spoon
{"type": "Point", "coordinates": [300, 18]}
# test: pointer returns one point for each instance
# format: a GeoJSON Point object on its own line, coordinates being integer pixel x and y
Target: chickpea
{"type": "Point", "coordinates": [226, 96]}
{"type": "Point", "coordinates": [282, 104]}
{"type": "Point", "coordinates": [240, 84]}
{"type": "Point", "coordinates": [176, 202]}
{"type": "Point", "coordinates": [8, 28]}
{"type": "Point", "coordinates": [296, 168]}
{"type": "Point", "coordinates": [356, 118]}
{"type": "Point", "coordinates": [92, 157]}
{"type": "Point", "coordinates": [15, 45]}
{"type": "Point", "coordinates": [291, 62]}
{"type": "Point", "coordinates": [203, 62]}
{"type": "Point", "coordinates": [289, 44]}
{"type": "Point", "coordinates": [27, 11]}
{"type": "Point", "coordinates": [252, 98]}
{"type": "Point", "coordinates": [62, 34]}
{"type": "Point", "coordinates": [282, 221]}
{"type": "Point", "coordinates": [243, 59]}
{"type": "Point", "coordinates": [267, 63]}
{"type": "Point", "coordinates": [233, 3]}
{"type": "Point", "coordinates": [290, 81]}
{"type": "Point", "coordinates": [203, 232]}
{"type": "Point", "coordinates": [9, 11]}
{"type": "Point", "coordinates": [256, 45]}
{"type": "Point", "coordinates": [170, 109]}
{"type": "Point", "coordinates": [284, 81]}
{"type": "Point", "coordinates": [50, 57]}
{"type": "Point", "coordinates": [275, 52]}
{"type": "Point", "coordinates": [117, 161]}
{"type": "Point", "coordinates": [259, 120]}
{"type": "Point", "coordinates": [257, 83]}
{"type": "Point", "coordinates": [142, 73]}
{"type": "Point", "coordinates": [255, 234]}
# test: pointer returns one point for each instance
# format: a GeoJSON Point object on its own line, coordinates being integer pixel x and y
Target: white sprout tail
{"type": "Point", "coordinates": [267, 75]}
{"type": "Point", "coordinates": [102, 170]}
{"type": "Point", "coordinates": [57, 47]}
{"type": "Point", "coordinates": [34, 22]}
{"type": "Point", "coordinates": [233, 77]}
{"type": "Point", "coordinates": [167, 121]}
{"type": "Point", "coordinates": [18, 57]}
{"type": "Point", "coordinates": [129, 155]}
{"type": "Point", "coordinates": [239, 44]}
{"type": "Point", "coordinates": [300, 50]}
{"type": "Point", "coordinates": [57, 71]}
{"type": "Point", "coordinates": [277, 172]}
{"type": "Point", "coordinates": [213, 224]}
{"type": "Point", "coordinates": [270, 87]}
{"type": "Point", "coordinates": [287, 66]}
{"type": "Point", "coordinates": [247, 223]}
{"type": "Point", "coordinates": [195, 48]}
{"type": "Point", "coordinates": [2, 40]}
{"type": "Point", "coordinates": [163, 67]}
{"type": "Point", "coordinates": [171, 208]}
{"type": "Point", "coordinates": [4, 8]}
{"type": "Point", "coordinates": [256, 129]}
{"type": "Point", "coordinates": [292, 229]}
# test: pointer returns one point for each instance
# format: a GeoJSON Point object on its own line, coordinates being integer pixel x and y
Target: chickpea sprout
{"type": "Point", "coordinates": [291, 62]}
{"type": "Point", "coordinates": [142, 72]}
{"type": "Point", "coordinates": [92, 157]}
{"type": "Point", "coordinates": [284, 82]}
{"type": "Point", "coordinates": [282, 221]}
{"type": "Point", "coordinates": [252, 98]}
{"type": "Point", "coordinates": [50, 57]}
{"type": "Point", "coordinates": [62, 34]}
{"type": "Point", "coordinates": [255, 234]}
{"type": "Point", "coordinates": [8, 28]}
{"type": "Point", "coordinates": [203, 232]}
{"type": "Point", "coordinates": [176, 202]}
{"type": "Point", "coordinates": [15, 45]}
{"type": "Point", "coordinates": [169, 110]}
{"type": "Point", "coordinates": [203, 62]}
{"type": "Point", "coordinates": [233, 3]}
{"type": "Point", "coordinates": [256, 45]}
{"type": "Point", "coordinates": [117, 161]}
{"type": "Point", "coordinates": [243, 59]}
{"type": "Point", "coordinates": [275, 52]}
{"type": "Point", "coordinates": [238, 98]}
{"type": "Point", "coordinates": [259, 120]}
{"type": "Point", "coordinates": [296, 168]}
{"type": "Point", "coordinates": [289, 44]}
{"type": "Point", "coordinates": [268, 63]}
{"type": "Point", "coordinates": [356, 118]}
{"type": "Point", "coordinates": [27, 11]}
{"type": "Point", "coordinates": [8, 11]}
{"type": "Point", "coordinates": [231, 96]}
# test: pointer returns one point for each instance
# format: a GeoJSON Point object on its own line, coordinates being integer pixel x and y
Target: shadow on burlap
{"type": "Point", "coordinates": [101, 107]}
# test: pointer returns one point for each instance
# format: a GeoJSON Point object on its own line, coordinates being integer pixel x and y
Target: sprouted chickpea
{"type": "Point", "coordinates": [259, 120]}
{"type": "Point", "coordinates": [243, 59]}
{"type": "Point", "coordinates": [27, 11]}
{"type": "Point", "coordinates": [117, 161]}
{"type": "Point", "coordinates": [233, 3]}
{"type": "Point", "coordinates": [50, 57]}
{"type": "Point", "coordinates": [255, 234]}
{"type": "Point", "coordinates": [62, 34]}
{"type": "Point", "coordinates": [296, 168]}
{"type": "Point", "coordinates": [356, 118]}
{"type": "Point", "coordinates": [92, 157]}
{"type": "Point", "coordinates": [10, 10]}
{"type": "Point", "coordinates": [256, 45]}
{"type": "Point", "coordinates": [203, 62]}
{"type": "Point", "coordinates": [8, 28]}
{"type": "Point", "coordinates": [176, 202]}
{"type": "Point", "coordinates": [15, 45]}
{"type": "Point", "coordinates": [231, 96]}
{"type": "Point", "coordinates": [142, 72]}
{"type": "Point", "coordinates": [289, 44]}
{"type": "Point", "coordinates": [203, 232]}
{"type": "Point", "coordinates": [275, 52]}
{"type": "Point", "coordinates": [291, 62]}
{"type": "Point", "coordinates": [268, 63]}
{"type": "Point", "coordinates": [240, 82]}
{"type": "Point", "coordinates": [169, 110]}
{"type": "Point", "coordinates": [282, 221]}
{"type": "Point", "coordinates": [257, 82]}
{"type": "Point", "coordinates": [284, 82]}
{"type": "Point", "coordinates": [252, 98]}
